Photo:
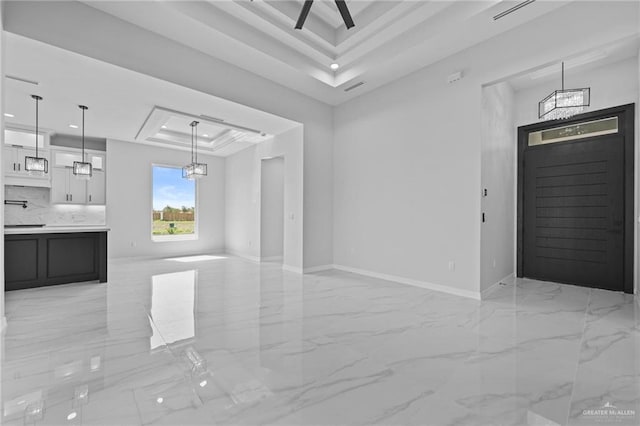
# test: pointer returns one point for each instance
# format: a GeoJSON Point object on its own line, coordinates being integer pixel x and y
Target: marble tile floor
{"type": "Point", "coordinates": [230, 342]}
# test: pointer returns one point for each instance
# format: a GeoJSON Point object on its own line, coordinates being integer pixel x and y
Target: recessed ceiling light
{"type": "Point", "coordinates": [72, 415]}
{"type": "Point", "coordinates": [163, 126]}
{"type": "Point", "coordinates": [73, 126]}
{"type": "Point", "coordinates": [6, 114]}
{"type": "Point", "coordinates": [334, 66]}
{"type": "Point", "coordinates": [203, 383]}
{"type": "Point", "coordinates": [160, 400]}
{"type": "Point", "coordinates": [205, 135]}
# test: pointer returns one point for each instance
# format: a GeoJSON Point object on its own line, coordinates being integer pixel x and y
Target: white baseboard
{"type": "Point", "coordinates": [422, 284]}
{"type": "Point", "coordinates": [484, 293]}
{"type": "Point", "coordinates": [290, 268]}
{"type": "Point", "coordinates": [244, 256]}
{"type": "Point", "coordinates": [122, 259]}
{"type": "Point", "coordinates": [318, 268]}
{"type": "Point", "coordinates": [4, 323]}
{"type": "Point", "coordinates": [272, 259]}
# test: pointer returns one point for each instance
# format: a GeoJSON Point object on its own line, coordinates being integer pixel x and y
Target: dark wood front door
{"type": "Point", "coordinates": [575, 201]}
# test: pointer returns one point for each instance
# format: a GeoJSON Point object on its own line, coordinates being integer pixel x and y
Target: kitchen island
{"type": "Point", "coordinates": [50, 255]}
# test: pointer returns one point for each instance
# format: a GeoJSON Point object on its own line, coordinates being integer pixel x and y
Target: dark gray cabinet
{"type": "Point", "coordinates": [36, 260]}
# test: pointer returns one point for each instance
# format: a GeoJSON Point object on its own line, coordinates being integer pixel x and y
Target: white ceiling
{"type": "Point", "coordinates": [119, 100]}
{"type": "Point", "coordinates": [391, 38]}
{"type": "Point", "coordinates": [580, 62]}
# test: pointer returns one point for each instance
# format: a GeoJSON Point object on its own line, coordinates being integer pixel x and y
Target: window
{"type": "Point", "coordinates": [605, 126]}
{"type": "Point", "coordinates": [174, 205]}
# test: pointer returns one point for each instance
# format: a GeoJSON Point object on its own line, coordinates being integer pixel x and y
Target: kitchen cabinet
{"type": "Point", "coordinates": [41, 259]}
{"type": "Point", "coordinates": [96, 188]}
{"type": "Point", "coordinates": [18, 144]}
{"type": "Point", "coordinates": [13, 166]}
{"type": "Point", "coordinates": [66, 188]}
{"type": "Point", "coordinates": [25, 138]}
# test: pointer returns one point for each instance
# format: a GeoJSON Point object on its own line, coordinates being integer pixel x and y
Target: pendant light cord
{"type": "Point", "coordinates": [83, 134]}
{"type": "Point", "coordinates": [192, 142]}
{"type": "Point", "coordinates": [194, 130]}
{"type": "Point", "coordinates": [83, 108]}
{"type": "Point", "coordinates": [37, 100]}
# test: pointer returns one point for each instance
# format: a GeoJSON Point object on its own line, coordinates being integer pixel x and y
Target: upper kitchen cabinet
{"type": "Point", "coordinates": [66, 188]}
{"type": "Point", "coordinates": [18, 144]}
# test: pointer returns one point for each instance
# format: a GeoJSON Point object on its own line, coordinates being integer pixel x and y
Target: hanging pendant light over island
{"type": "Point", "coordinates": [36, 165]}
{"type": "Point", "coordinates": [82, 169]}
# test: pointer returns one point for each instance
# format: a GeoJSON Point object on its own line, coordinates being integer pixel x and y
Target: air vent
{"type": "Point", "coordinates": [23, 80]}
{"type": "Point", "coordinates": [354, 86]}
{"type": "Point", "coordinates": [208, 117]}
{"type": "Point", "coordinates": [513, 9]}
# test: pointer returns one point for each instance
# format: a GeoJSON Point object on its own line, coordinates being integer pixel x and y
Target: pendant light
{"type": "Point", "coordinates": [36, 165]}
{"type": "Point", "coordinates": [82, 169]}
{"type": "Point", "coordinates": [194, 170]}
{"type": "Point", "coordinates": [564, 103]}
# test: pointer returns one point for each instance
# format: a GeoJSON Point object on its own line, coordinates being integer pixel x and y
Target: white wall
{"type": "Point", "coordinates": [242, 204]}
{"type": "Point", "coordinates": [243, 198]}
{"type": "Point", "coordinates": [2, 317]}
{"type": "Point", "coordinates": [498, 156]}
{"type": "Point", "coordinates": [272, 208]}
{"type": "Point", "coordinates": [407, 157]}
{"type": "Point", "coordinates": [120, 43]}
{"type": "Point", "coordinates": [129, 202]}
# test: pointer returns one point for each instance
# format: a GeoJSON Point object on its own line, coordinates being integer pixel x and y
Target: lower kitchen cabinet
{"type": "Point", "coordinates": [36, 260]}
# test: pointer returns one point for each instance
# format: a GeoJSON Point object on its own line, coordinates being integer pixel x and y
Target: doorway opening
{"type": "Point", "coordinates": [272, 210]}
{"type": "Point", "coordinates": [575, 218]}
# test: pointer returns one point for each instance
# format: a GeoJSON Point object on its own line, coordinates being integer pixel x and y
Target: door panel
{"type": "Point", "coordinates": [573, 212]}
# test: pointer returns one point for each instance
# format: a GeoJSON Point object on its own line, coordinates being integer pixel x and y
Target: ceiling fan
{"type": "Point", "coordinates": [342, 8]}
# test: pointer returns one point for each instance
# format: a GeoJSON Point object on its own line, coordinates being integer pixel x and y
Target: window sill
{"type": "Point", "coordinates": [170, 238]}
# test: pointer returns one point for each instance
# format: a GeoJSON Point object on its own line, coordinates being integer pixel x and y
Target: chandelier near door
{"type": "Point", "coordinates": [564, 103]}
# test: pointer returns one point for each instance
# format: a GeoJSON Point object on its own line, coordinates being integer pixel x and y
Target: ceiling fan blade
{"type": "Point", "coordinates": [303, 14]}
{"type": "Point", "coordinates": [344, 11]}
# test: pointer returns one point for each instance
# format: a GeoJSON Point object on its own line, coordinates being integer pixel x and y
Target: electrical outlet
{"type": "Point", "coordinates": [494, 263]}
{"type": "Point", "coordinates": [452, 265]}
{"type": "Point", "coordinates": [132, 243]}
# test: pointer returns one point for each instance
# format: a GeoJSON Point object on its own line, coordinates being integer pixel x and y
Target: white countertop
{"type": "Point", "coordinates": [56, 229]}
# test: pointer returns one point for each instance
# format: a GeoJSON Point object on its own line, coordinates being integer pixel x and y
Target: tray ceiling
{"type": "Point", "coordinates": [391, 38]}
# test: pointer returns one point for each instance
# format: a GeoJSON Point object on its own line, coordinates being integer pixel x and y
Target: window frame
{"type": "Point", "coordinates": [177, 237]}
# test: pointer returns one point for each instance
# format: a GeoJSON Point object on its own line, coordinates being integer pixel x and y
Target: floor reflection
{"type": "Point", "coordinates": [173, 301]}
{"type": "Point", "coordinates": [234, 342]}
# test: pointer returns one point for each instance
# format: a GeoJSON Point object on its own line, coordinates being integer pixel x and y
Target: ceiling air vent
{"type": "Point", "coordinates": [23, 80]}
{"type": "Point", "coordinates": [513, 9]}
{"type": "Point", "coordinates": [354, 86]}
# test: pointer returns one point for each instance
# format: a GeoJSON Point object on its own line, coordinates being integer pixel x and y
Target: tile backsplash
{"type": "Point", "coordinates": [40, 210]}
